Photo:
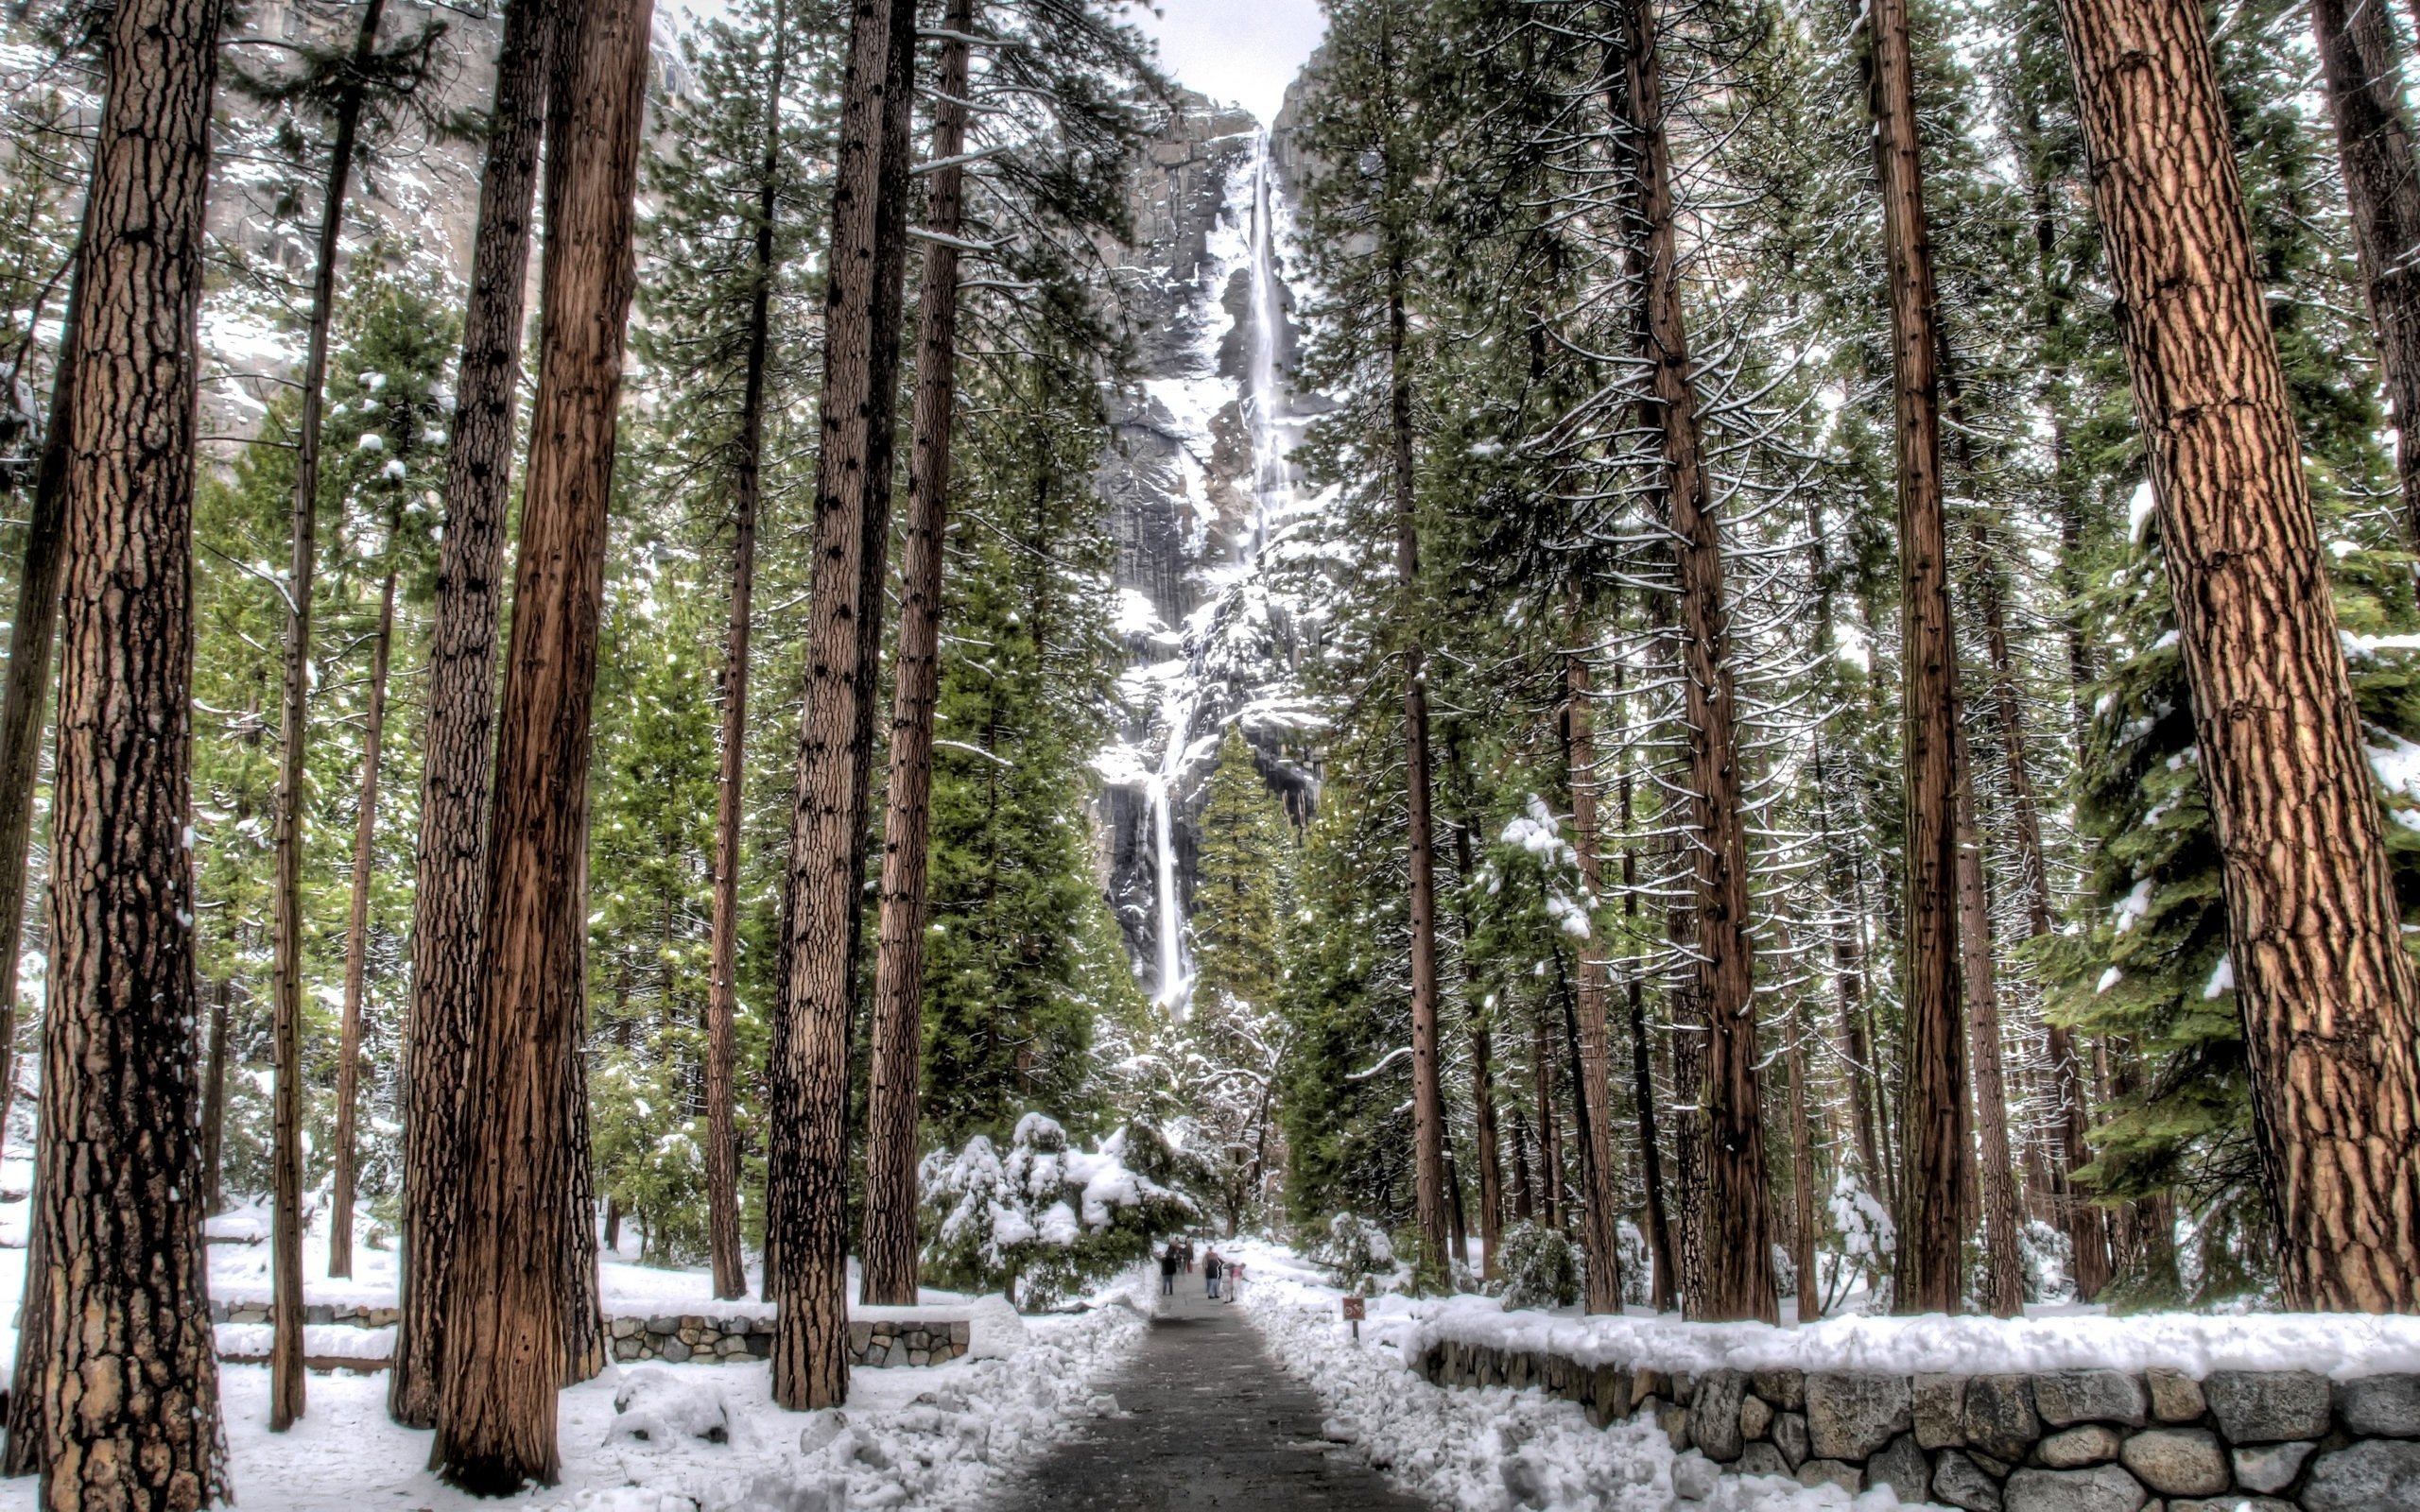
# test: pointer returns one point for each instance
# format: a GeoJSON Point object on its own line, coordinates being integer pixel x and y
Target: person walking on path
{"type": "Point", "coordinates": [1167, 1270]}
{"type": "Point", "coordinates": [1211, 1269]}
{"type": "Point", "coordinates": [1234, 1282]}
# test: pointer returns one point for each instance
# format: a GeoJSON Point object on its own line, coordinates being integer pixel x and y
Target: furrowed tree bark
{"type": "Point", "coordinates": [2361, 60]}
{"type": "Point", "coordinates": [286, 1380]}
{"type": "Point", "coordinates": [31, 634]}
{"type": "Point", "coordinates": [2003, 1267]}
{"type": "Point", "coordinates": [889, 1240]}
{"type": "Point", "coordinates": [821, 905]}
{"type": "Point", "coordinates": [2325, 990]}
{"type": "Point", "coordinates": [723, 999]}
{"type": "Point", "coordinates": [1600, 1239]}
{"type": "Point", "coordinates": [449, 870]}
{"type": "Point", "coordinates": [357, 929]}
{"type": "Point", "coordinates": [116, 1348]}
{"type": "Point", "coordinates": [506, 1345]}
{"type": "Point", "coordinates": [1737, 1249]}
{"type": "Point", "coordinates": [1934, 1193]}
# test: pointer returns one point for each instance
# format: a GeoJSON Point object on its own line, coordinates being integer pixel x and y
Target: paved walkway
{"type": "Point", "coordinates": [1209, 1424]}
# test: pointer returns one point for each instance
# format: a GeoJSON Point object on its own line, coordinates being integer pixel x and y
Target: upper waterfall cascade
{"type": "Point", "coordinates": [1207, 504]}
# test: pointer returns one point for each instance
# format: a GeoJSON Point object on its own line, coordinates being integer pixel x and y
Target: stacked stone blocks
{"type": "Point", "coordinates": [2050, 1441]}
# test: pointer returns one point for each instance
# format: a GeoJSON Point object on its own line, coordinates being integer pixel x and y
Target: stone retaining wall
{"type": "Point", "coordinates": [686, 1338]}
{"type": "Point", "coordinates": [2058, 1441]}
{"type": "Point", "coordinates": [316, 1313]}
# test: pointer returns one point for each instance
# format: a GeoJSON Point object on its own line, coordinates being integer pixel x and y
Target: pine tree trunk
{"type": "Point", "coordinates": [286, 1380]}
{"type": "Point", "coordinates": [2325, 990]}
{"type": "Point", "coordinates": [1600, 1239]}
{"type": "Point", "coordinates": [1483, 1035]}
{"type": "Point", "coordinates": [449, 870]}
{"type": "Point", "coordinates": [2360, 59]}
{"type": "Point", "coordinates": [2081, 1221]}
{"type": "Point", "coordinates": [1737, 1245]}
{"type": "Point", "coordinates": [31, 634]}
{"type": "Point", "coordinates": [821, 903]}
{"type": "Point", "coordinates": [722, 995]}
{"type": "Point", "coordinates": [1651, 1156]}
{"type": "Point", "coordinates": [2004, 1270]}
{"type": "Point", "coordinates": [1525, 1207]}
{"type": "Point", "coordinates": [1549, 1126]}
{"type": "Point", "coordinates": [889, 1237]}
{"type": "Point", "coordinates": [508, 1346]}
{"type": "Point", "coordinates": [1427, 1083]}
{"type": "Point", "coordinates": [356, 930]}
{"type": "Point", "coordinates": [583, 1356]}
{"type": "Point", "coordinates": [1935, 1192]}
{"type": "Point", "coordinates": [1490, 1172]}
{"type": "Point", "coordinates": [214, 1102]}
{"type": "Point", "coordinates": [116, 1352]}
{"type": "Point", "coordinates": [1802, 1176]}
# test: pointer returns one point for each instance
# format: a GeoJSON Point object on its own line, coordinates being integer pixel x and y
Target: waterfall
{"type": "Point", "coordinates": [1268, 415]}
{"type": "Point", "coordinates": [1175, 983]}
{"type": "Point", "coordinates": [1265, 403]}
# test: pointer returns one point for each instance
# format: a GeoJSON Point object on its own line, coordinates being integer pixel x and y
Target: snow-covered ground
{"type": "Point", "coordinates": [939, 1438]}
{"type": "Point", "coordinates": [1493, 1450]}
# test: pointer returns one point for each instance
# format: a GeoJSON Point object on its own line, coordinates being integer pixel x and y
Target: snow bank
{"type": "Point", "coordinates": [1492, 1449]}
{"type": "Point", "coordinates": [937, 1438]}
{"type": "Point", "coordinates": [320, 1341]}
{"type": "Point", "coordinates": [2340, 1346]}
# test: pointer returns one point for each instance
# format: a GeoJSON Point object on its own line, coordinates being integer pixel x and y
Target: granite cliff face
{"type": "Point", "coordinates": [1207, 509]}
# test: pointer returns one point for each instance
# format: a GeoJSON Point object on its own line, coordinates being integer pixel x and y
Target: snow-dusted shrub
{"type": "Point", "coordinates": [1638, 1264]}
{"type": "Point", "coordinates": [1538, 1267]}
{"type": "Point", "coordinates": [1356, 1252]}
{"type": "Point", "coordinates": [657, 1406]}
{"type": "Point", "coordinates": [1045, 1222]}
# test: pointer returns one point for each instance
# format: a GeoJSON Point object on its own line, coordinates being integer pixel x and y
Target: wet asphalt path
{"type": "Point", "coordinates": [1208, 1424]}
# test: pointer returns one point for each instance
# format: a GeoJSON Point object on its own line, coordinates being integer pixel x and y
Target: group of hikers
{"type": "Point", "coordinates": [1216, 1271]}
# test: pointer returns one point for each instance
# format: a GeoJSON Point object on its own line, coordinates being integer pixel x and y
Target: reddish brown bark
{"type": "Point", "coordinates": [508, 1346]}
{"type": "Point", "coordinates": [2324, 987]}
{"type": "Point", "coordinates": [449, 892]}
{"type": "Point", "coordinates": [821, 903]}
{"type": "Point", "coordinates": [889, 1239]}
{"type": "Point", "coordinates": [31, 632]}
{"type": "Point", "coordinates": [2362, 61]}
{"type": "Point", "coordinates": [1935, 1189]}
{"type": "Point", "coordinates": [722, 991]}
{"type": "Point", "coordinates": [1737, 1249]}
{"type": "Point", "coordinates": [116, 1352]}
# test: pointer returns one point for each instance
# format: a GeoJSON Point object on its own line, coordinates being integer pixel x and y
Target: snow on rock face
{"type": "Point", "coordinates": [1201, 497]}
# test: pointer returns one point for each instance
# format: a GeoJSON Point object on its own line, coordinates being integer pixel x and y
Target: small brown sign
{"type": "Point", "coordinates": [1354, 1308]}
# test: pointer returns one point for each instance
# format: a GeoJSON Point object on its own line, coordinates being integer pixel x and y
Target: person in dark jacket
{"type": "Point", "coordinates": [1167, 1270]}
{"type": "Point", "coordinates": [1212, 1269]}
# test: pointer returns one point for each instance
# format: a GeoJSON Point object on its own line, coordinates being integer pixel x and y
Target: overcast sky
{"type": "Point", "coordinates": [1243, 51]}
